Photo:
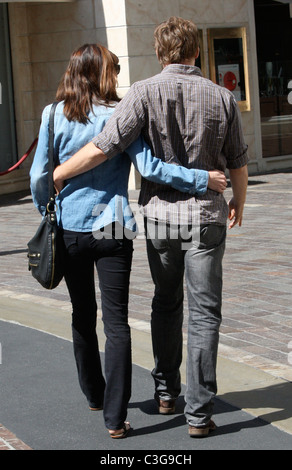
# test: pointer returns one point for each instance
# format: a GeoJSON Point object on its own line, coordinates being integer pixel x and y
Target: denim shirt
{"type": "Point", "coordinates": [99, 197]}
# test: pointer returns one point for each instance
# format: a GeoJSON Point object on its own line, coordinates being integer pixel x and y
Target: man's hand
{"type": "Point", "coordinates": [217, 181]}
{"type": "Point", "coordinates": [58, 182]}
{"type": "Point", "coordinates": [235, 213]}
{"type": "Point", "coordinates": [239, 181]}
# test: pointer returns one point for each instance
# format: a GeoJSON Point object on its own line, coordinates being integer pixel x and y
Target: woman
{"type": "Point", "coordinates": [98, 226]}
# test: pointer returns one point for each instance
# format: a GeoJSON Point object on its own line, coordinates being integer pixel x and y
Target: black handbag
{"type": "Point", "coordinates": [45, 249]}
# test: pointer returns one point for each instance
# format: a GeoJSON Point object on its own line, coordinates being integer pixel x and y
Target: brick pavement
{"type": "Point", "coordinates": [257, 295]}
{"type": "Point", "coordinates": [257, 300]}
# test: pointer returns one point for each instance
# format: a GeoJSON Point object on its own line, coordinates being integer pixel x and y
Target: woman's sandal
{"type": "Point", "coordinates": [99, 408]}
{"type": "Point", "coordinates": [121, 433]}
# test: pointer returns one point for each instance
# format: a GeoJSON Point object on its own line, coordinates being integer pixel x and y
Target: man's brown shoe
{"type": "Point", "coordinates": [166, 407]}
{"type": "Point", "coordinates": [202, 431]}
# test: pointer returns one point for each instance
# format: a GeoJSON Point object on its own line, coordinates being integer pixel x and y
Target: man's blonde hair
{"type": "Point", "coordinates": [176, 40]}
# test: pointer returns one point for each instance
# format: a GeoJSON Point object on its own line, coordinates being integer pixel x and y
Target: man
{"type": "Point", "coordinates": [186, 119]}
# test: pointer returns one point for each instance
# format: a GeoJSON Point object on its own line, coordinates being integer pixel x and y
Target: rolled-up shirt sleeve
{"type": "Point", "coordinates": [235, 148]}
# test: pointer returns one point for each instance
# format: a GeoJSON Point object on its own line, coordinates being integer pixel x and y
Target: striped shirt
{"type": "Point", "coordinates": [187, 120]}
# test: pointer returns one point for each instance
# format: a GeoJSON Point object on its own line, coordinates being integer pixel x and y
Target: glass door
{"type": "Point", "coordinates": [8, 154]}
{"type": "Point", "coordinates": [274, 39]}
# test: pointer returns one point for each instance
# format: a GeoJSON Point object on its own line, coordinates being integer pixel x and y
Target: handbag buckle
{"type": "Point", "coordinates": [51, 206]}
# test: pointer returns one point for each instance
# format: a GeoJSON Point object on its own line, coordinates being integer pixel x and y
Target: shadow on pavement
{"type": "Point", "coordinates": [41, 403]}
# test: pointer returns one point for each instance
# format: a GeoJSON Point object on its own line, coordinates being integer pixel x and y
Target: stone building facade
{"type": "Point", "coordinates": [37, 38]}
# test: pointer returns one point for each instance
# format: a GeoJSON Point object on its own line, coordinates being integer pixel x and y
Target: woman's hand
{"type": "Point", "coordinates": [217, 181]}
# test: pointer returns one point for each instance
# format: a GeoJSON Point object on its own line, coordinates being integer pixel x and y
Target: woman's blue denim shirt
{"type": "Point", "coordinates": [99, 197]}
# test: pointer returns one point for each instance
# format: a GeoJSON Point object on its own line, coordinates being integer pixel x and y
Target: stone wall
{"type": "Point", "coordinates": [43, 36]}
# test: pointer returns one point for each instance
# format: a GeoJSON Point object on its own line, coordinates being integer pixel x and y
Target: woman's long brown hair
{"type": "Point", "coordinates": [90, 78]}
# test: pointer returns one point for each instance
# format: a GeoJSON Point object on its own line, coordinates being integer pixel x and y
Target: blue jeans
{"type": "Point", "coordinates": [112, 258]}
{"type": "Point", "coordinates": [198, 253]}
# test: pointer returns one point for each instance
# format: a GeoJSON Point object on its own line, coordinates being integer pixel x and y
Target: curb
{"type": "Point", "coordinates": [8, 441]}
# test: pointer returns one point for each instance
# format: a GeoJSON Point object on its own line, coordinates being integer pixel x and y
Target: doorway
{"type": "Point", "coordinates": [8, 154]}
{"type": "Point", "coordinates": [274, 51]}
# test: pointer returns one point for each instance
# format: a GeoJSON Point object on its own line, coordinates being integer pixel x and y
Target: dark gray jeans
{"type": "Point", "coordinates": [197, 252]}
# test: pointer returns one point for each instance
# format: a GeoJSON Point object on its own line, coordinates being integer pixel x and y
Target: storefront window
{"type": "Point", "coordinates": [274, 39]}
{"type": "Point", "coordinates": [228, 62]}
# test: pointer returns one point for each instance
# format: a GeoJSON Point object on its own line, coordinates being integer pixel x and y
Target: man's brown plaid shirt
{"type": "Point", "coordinates": [187, 120]}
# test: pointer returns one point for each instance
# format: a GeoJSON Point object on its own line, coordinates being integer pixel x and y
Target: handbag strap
{"type": "Point", "coordinates": [51, 153]}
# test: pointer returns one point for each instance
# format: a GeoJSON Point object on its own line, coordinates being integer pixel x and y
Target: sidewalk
{"type": "Point", "coordinates": [254, 373]}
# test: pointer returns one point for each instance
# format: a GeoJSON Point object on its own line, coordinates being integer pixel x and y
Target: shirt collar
{"type": "Point", "coordinates": [182, 69]}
